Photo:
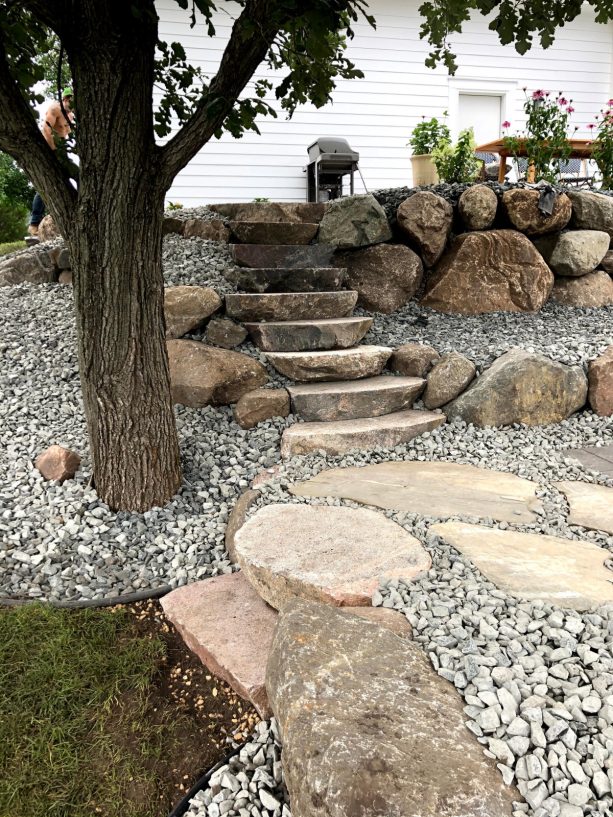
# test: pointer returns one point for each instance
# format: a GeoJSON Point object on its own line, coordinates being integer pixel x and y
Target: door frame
{"type": "Point", "coordinates": [477, 86]}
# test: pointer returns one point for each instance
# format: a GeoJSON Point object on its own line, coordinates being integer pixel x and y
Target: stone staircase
{"type": "Point", "coordinates": [294, 305]}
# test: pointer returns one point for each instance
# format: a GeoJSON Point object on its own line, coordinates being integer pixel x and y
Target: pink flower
{"type": "Point", "coordinates": [610, 103]}
{"type": "Point", "coordinates": [591, 126]}
{"type": "Point", "coordinates": [538, 94]}
{"type": "Point", "coordinates": [562, 101]}
{"type": "Point", "coordinates": [570, 109]}
{"type": "Point", "coordinates": [506, 124]}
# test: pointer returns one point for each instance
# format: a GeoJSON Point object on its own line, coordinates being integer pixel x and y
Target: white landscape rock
{"type": "Point", "coordinates": [534, 566]}
{"type": "Point", "coordinates": [334, 555]}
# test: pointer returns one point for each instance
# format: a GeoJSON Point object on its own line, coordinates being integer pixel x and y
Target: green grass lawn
{"type": "Point", "coordinates": [76, 737]}
{"type": "Point", "coordinates": [13, 246]}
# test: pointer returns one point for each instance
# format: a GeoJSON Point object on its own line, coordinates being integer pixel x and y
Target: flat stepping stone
{"type": "Point", "coordinates": [273, 232]}
{"type": "Point", "coordinates": [596, 458]}
{"type": "Point", "coordinates": [287, 279]}
{"type": "Point", "coordinates": [437, 489]}
{"type": "Point", "coordinates": [226, 623]}
{"type": "Point", "coordinates": [348, 400]}
{"type": "Point", "coordinates": [364, 434]}
{"type": "Point", "coordinates": [590, 505]}
{"type": "Point", "coordinates": [333, 555]}
{"type": "Point", "coordinates": [290, 306]}
{"type": "Point", "coordinates": [314, 335]}
{"type": "Point", "coordinates": [278, 255]}
{"type": "Point", "coordinates": [533, 566]}
{"type": "Point", "coordinates": [368, 726]}
{"type": "Point", "coordinates": [336, 364]}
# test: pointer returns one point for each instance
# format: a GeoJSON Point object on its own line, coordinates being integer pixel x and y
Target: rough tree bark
{"type": "Point", "coordinates": [114, 225]}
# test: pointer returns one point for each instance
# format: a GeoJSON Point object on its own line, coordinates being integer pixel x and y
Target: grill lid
{"type": "Point", "coordinates": [332, 145]}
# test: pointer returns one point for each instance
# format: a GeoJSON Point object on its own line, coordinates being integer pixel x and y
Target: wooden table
{"type": "Point", "coordinates": [579, 149]}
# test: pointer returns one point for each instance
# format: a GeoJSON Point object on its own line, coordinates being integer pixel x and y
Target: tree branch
{"type": "Point", "coordinates": [21, 139]}
{"type": "Point", "coordinates": [252, 35]}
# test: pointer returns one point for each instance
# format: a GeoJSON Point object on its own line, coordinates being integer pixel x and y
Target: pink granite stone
{"type": "Point", "coordinates": [230, 628]}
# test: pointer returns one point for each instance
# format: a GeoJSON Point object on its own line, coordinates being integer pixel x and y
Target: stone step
{"type": "Point", "coordinates": [286, 279]}
{"type": "Point", "coordinates": [365, 434]}
{"type": "Point", "coordinates": [276, 255]}
{"type": "Point", "coordinates": [342, 400]}
{"type": "Point", "coordinates": [336, 364]}
{"type": "Point", "coordinates": [294, 211]}
{"type": "Point", "coordinates": [290, 306]}
{"type": "Point", "coordinates": [273, 232]}
{"type": "Point", "coordinates": [299, 336]}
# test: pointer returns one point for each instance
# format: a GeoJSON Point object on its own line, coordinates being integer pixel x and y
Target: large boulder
{"type": "Point", "coordinates": [369, 728]}
{"type": "Point", "coordinates": [522, 387]}
{"type": "Point", "coordinates": [592, 211]}
{"type": "Point", "coordinates": [449, 376]}
{"type": "Point", "coordinates": [260, 211]}
{"type": "Point", "coordinates": [413, 359]}
{"type": "Point", "coordinates": [187, 307]}
{"type": "Point", "coordinates": [592, 290]}
{"type": "Point", "coordinates": [477, 207]}
{"type": "Point", "coordinates": [355, 221]}
{"type": "Point", "coordinates": [522, 209]}
{"type": "Point", "coordinates": [600, 379]}
{"type": "Point", "coordinates": [172, 224]}
{"type": "Point", "coordinates": [214, 230]}
{"type": "Point", "coordinates": [31, 266]}
{"type": "Point", "coordinates": [575, 252]}
{"type": "Point", "coordinates": [206, 376]}
{"type": "Point", "coordinates": [385, 277]}
{"type": "Point", "coordinates": [426, 219]}
{"type": "Point", "coordinates": [493, 271]}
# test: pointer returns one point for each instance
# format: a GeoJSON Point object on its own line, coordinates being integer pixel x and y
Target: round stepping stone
{"type": "Point", "coordinates": [337, 364]}
{"type": "Point", "coordinates": [273, 232]}
{"type": "Point", "coordinates": [334, 555]}
{"type": "Point", "coordinates": [590, 505]}
{"type": "Point", "coordinates": [431, 488]}
{"type": "Point", "coordinates": [290, 306]}
{"type": "Point", "coordinates": [533, 566]}
{"type": "Point", "coordinates": [289, 279]}
{"type": "Point", "coordinates": [300, 336]}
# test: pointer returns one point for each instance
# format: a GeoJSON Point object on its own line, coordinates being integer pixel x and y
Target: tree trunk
{"type": "Point", "coordinates": [116, 252]}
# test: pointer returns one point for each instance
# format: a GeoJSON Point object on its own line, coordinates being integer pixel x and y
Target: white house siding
{"type": "Point", "coordinates": [376, 114]}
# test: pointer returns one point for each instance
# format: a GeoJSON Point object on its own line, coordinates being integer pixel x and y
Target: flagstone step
{"type": "Point", "coordinates": [282, 255]}
{"type": "Point", "coordinates": [299, 336]}
{"type": "Point", "coordinates": [286, 279]}
{"type": "Point", "coordinates": [290, 306]}
{"type": "Point", "coordinates": [273, 232]}
{"type": "Point", "coordinates": [364, 434]}
{"type": "Point", "coordinates": [335, 364]}
{"type": "Point", "coordinates": [348, 400]}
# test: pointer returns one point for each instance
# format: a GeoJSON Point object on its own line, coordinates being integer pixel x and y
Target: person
{"type": "Point", "coordinates": [56, 128]}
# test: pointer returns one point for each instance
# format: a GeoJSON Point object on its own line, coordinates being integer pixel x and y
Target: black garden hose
{"type": "Point", "coordinates": [81, 604]}
{"type": "Point", "coordinates": [182, 806]}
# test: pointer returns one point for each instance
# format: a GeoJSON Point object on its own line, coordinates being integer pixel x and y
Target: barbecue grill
{"type": "Point", "coordinates": [330, 158]}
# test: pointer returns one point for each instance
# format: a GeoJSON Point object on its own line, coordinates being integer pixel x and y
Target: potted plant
{"type": "Point", "coordinates": [425, 138]}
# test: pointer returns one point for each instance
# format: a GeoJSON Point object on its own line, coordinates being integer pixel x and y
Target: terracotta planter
{"type": "Point", "coordinates": [424, 171]}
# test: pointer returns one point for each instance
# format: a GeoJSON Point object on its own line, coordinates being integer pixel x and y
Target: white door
{"type": "Point", "coordinates": [482, 113]}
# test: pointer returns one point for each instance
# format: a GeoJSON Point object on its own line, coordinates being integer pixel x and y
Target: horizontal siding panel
{"type": "Point", "coordinates": [376, 114]}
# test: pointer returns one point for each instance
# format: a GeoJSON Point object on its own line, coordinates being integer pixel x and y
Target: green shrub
{"type": "Point", "coordinates": [13, 221]}
{"type": "Point", "coordinates": [457, 163]}
{"type": "Point", "coordinates": [428, 135]}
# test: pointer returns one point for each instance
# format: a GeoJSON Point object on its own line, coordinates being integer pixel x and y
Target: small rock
{"type": "Point", "coordinates": [449, 377]}
{"type": "Point", "coordinates": [261, 404]}
{"type": "Point", "coordinates": [58, 463]}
